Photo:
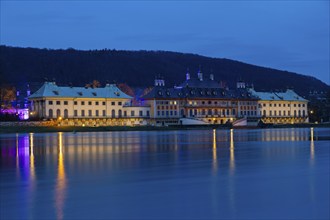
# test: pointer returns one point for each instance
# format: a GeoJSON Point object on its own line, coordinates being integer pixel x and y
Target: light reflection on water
{"type": "Point", "coordinates": [97, 175]}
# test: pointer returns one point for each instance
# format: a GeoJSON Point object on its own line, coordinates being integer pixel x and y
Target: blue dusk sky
{"type": "Point", "coordinates": [285, 35]}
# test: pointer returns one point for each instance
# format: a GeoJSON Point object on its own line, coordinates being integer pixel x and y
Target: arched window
{"type": "Point", "coordinates": [66, 114]}
{"type": "Point", "coordinates": [50, 113]}
{"type": "Point", "coordinates": [182, 113]}
{"type": "Point", "coordinates": [119, 113]}
{"type": "Point", "coordinates": [113, 113]}
{"type": "Point", "coordinates": [58, 113]}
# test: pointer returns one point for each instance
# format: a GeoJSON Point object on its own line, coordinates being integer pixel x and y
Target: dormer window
{"type": "Point", "coordinates": [160, 92]}
{"type": "Point", "coordinates": [55, 92]}
{"type": "Point", "coordinates": [94, 93]}
{"type": "Point", "coordinates": [80, 93]}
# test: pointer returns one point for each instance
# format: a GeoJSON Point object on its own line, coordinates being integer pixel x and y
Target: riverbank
{"type": "Point", "coordinates": [46, 129]}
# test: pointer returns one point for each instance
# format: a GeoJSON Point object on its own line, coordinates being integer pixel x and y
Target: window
{"type": "Point", "coordinates": [279, 113]}
{"type": "Point", "coordinates": [119, 103]}
{"type": "Point", "coordinates": [275, 105]}
{"type": "Point", "coordinates": [158, 113]}
{"type": "Point", "coordinates": [294, 105]}
{"type": "Point", "coordinates": [65, 102]}
{"type": "Point", "coordinates": [298, 105]}
{"type": "Point", "coordinates": [119, 113]}
{"type": "Point", "coordinates": [58, 102]}
{"type": "Point", "coordinates": [140, 113]}
{"type": "Point", "coordinates": [104, 113]}
{"type": "Point", "coordinates": [148, 113]}
{"type": "Point", "coordinates": [270, 113]}
{"type": "Point", "coordinates": [289, 105]}
{"type": "Point", "coordinates": [96, 112]}
{"type": "Point", "coordinates": [227, 111]}
{"type": "Point", "coordinates": [103, 103]}
{"type": "Point", "coordinates": [89, 112]}
{"type": "Point", "coordinates": [274, 113]}
{"type": "Point", "coordinates": [132, 113]}
{"type": "Point", "coordinates": [270, 105]}
{"type": "Point", "coordinates": [75, 113]}
{"type": "Point", "coordinates": [50, 113]}
{"type": "Point", "coordinates": [75, 103]}
{"type": "Point", "coordinates": [264, 105]}
{"type": "Point", "coordinates": [283, 113]}
{"type": "Point", "coordinates": [264, 113]}
{"type": "Point", "coordinates": [113, 113]}
{"type": "Point", "coordinates": [96, 103]}
{"type": "Point", "coordinates": [113, 103]}
{"type": "Point", "coordinates": [82, 112]}
{"type": "Point", "coordinates": [89, 103]}
{"type": "Point", "coordinates": [58, 113]}
{"type": "Point", "coordinates": [279, 105]}
{"type": "Point", "coordinates": [303, 105]}
{"type": "Point", "coordinates": [289, 113]}
{"type": "Point", "coordinates": [125, 113]}
{"type": "Point", "coordinates": [50, 102]}
{"type": "Point", "coordinates": [283, 105]}
{"type": "Point", "coordinates": [82, 103]}
{"type": "Point", "coordinates": [66, 113]}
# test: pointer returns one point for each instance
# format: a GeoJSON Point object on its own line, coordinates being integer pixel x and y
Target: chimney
{"type": "Point", "coordinates": [159, 81]}
{"type": "Point", "coordinates": [240, 85]}
{"type": "Point", "coordinates": [200, 75]}
{"type": "Point", "coordinates": [187, 75]}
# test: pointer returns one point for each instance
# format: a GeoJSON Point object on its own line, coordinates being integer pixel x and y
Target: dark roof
{"type": "Point", "coordinates": [160, 92]}
{"type": "Point", "coordinates": [197, 83]}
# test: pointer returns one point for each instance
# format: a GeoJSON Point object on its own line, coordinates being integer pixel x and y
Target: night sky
{"type": "Point", "coordinates": [285, 35]}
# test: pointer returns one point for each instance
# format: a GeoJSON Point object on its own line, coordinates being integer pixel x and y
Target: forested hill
{"type": "Point", "coordinates": [138, 69]}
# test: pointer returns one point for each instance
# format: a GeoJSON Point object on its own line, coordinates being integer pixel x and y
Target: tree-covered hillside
{"type": "Point", "coordinates": [138, 69]}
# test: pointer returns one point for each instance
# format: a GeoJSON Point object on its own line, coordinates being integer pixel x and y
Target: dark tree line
{"type": "Point", "coordinates": [138, 69]}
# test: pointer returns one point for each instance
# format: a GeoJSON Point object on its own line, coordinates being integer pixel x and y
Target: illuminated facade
{"type": "Point", "coordinates": [86, 106]}
{"type": "Point", "coordinates": [282, 107]}
{"type": "Point", "coordinates": [200, 101]}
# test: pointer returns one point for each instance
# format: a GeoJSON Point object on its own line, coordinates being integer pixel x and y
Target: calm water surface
{"type": "Point", "coordinates": [199, 174]}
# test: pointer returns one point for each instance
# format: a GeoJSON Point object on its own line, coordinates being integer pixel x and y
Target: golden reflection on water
{"type": "Point", "coordinates": [32, 168]}
{"type": "Point", "coordinates": [61, 182]}
{"type": "Point", "coordinates": [215, 160]}
{"type": "Point", "coordinates": [232, 154]}
{"type": "Point", "coordinates": [312, 146]}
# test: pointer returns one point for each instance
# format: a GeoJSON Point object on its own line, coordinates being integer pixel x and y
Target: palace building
{"type": "Point", "coordinates": [281, 107]}
{"type": "Point", "coordinates": [200, 101]}
{"type": "Point", "coordinates": [86, 106]}
{"type": "Point", "coordinates": [197, 100]}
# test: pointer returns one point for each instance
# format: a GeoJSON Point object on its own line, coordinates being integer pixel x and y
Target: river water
{"type": "Point", "coordinates": [196, 174]}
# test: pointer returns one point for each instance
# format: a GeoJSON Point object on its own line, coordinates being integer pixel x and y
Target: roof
{"type": "Point", "coordinates": [197, 83]}
{"type": "Point", "coordinates": [50, 89]}
{"type": "Point", "coordinates": [288, 95]}
{"type": "Point", "coordinates": [161, 92]}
